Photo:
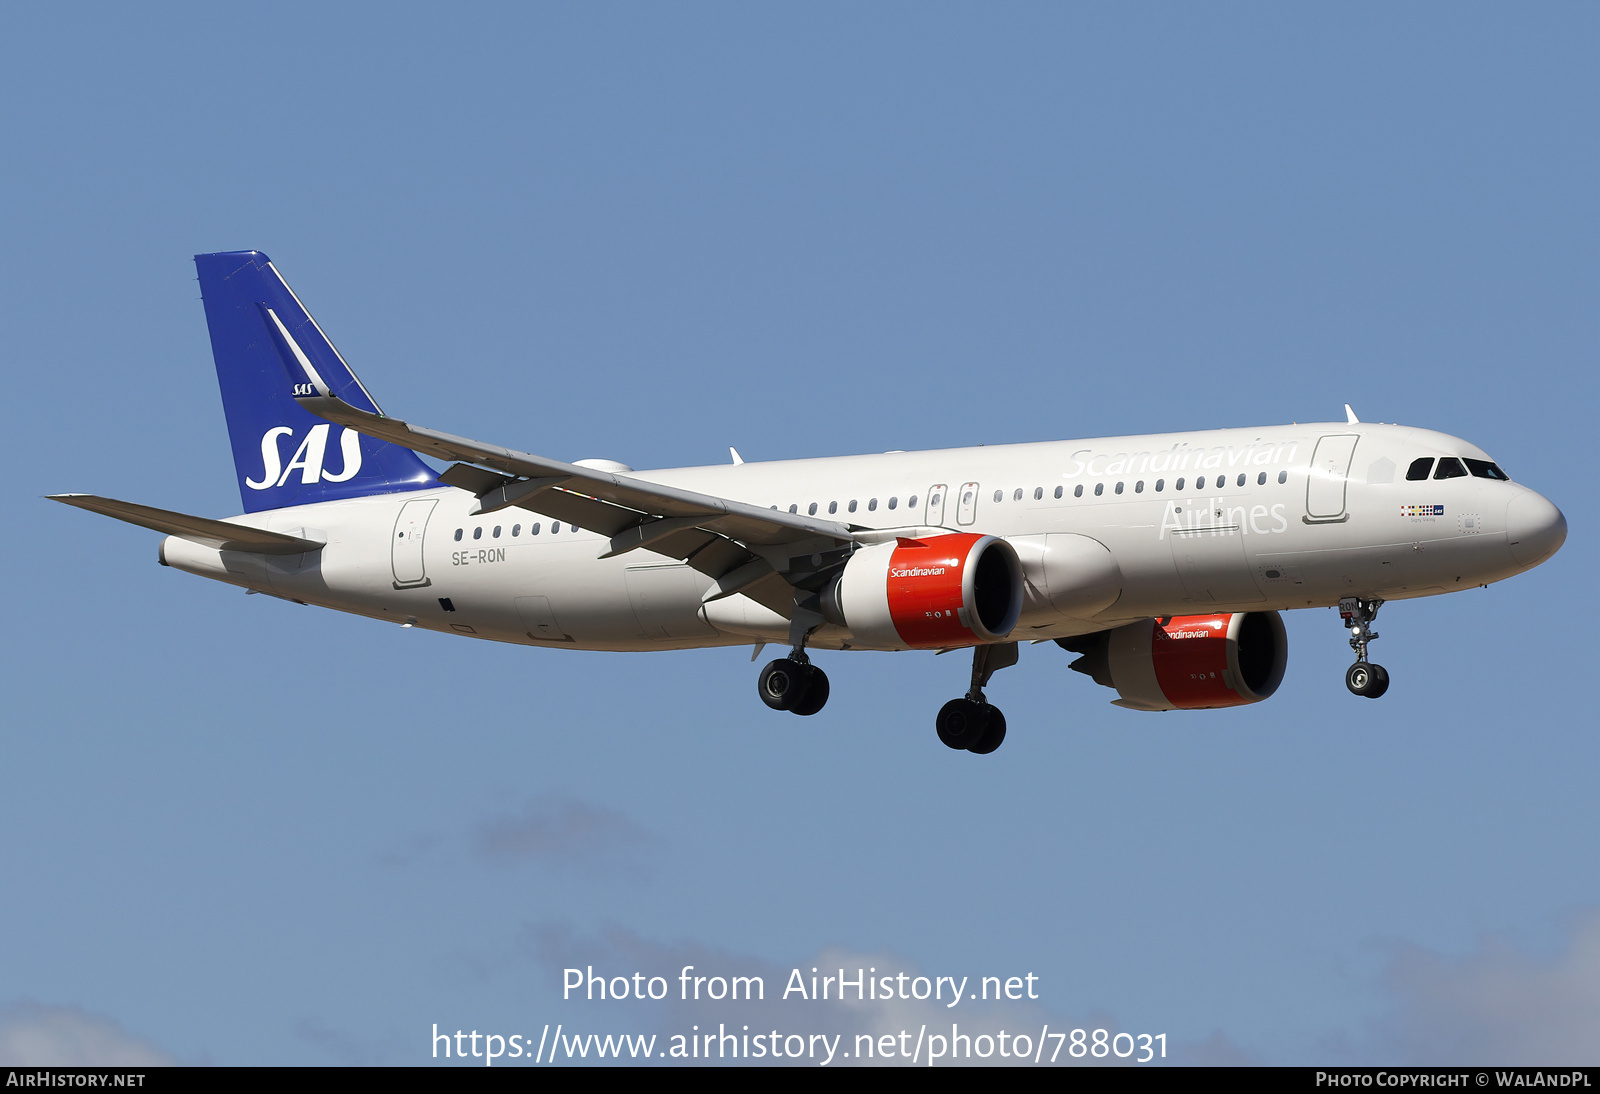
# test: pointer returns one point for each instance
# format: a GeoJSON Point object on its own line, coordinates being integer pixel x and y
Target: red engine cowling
{"type": "Point", "coordinates": [952, 590]}
{"type": "Point", "coordinates": [1188, 662]}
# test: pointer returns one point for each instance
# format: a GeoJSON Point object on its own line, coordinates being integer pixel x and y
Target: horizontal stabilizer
{"type": "Point", "coordinates": [220, 534]}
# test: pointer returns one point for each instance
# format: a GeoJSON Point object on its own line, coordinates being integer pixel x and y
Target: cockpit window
{"type": "Point", "coordinates": [1418, 471]}
{"type": "Point", "coordinates": [1483, 469]}
{"type": "Point", "coordinates": [1450, 468]}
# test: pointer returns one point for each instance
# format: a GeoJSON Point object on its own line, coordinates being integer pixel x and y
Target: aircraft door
{"type": "Point", "coordinates": [967, 506]}
{"type": "Point", "coordinates": [1325, 486]}
{"type": "Point", "coordinates": [405, 547]}
{"type": "Point", "coordinates": [538, 620]}
{"type": "Point", "coordinates": [936, 504]}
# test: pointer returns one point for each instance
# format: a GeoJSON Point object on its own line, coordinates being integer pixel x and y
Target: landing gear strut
{"type": "Point", "coordinates": [1363, 678]}
{"type": "Point", "coordinates": [971, 723]}
{"type": "Point", "coordinates": [793, 683]}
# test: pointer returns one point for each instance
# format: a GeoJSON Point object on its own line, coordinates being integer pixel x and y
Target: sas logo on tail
{"type": "Point", "coordinates": [307, 459]}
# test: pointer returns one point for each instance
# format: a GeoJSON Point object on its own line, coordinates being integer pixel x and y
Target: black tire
{"type": "Point", "coordinates": [1380, 682]}
{"type": "Point", "coordinates": [784, 683]}
{"type": "Point", "coordinates": [994, 733]}
{"type": "Point", "coordinates": [816, 693]}
{"type": "Point", "coordinates": [1362, 677]}
{"type": "Point", "coordinates": [961, 723]}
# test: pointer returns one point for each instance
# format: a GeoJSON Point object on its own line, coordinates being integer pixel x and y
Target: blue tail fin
{"type": "Point", "coordinates": [282, 454]}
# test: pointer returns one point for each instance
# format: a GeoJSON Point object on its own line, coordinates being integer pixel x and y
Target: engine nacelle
{"type": "Point", "coordinates": [1187, 662]}
{"type": "Point", "coordinates": [959, 589]}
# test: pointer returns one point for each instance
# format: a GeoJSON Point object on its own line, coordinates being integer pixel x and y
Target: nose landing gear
{"type": "Point", "coordinates": [1363, 678]}
{"type": "Point", "coordinates": [971, 723]}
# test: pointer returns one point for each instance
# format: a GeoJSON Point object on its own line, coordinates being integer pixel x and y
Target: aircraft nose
{"type": "Point", "coordinates": [1535, 529]}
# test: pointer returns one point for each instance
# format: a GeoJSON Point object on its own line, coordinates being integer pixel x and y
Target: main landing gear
{"type": "Point", "coordinates": [793, 683]}
{"type": "Point", "coordinates": [971, 723]}
{"type": "Point", "coordinates": [1363, 678]}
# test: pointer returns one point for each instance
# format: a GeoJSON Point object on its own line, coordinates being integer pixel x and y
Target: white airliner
{"type": "Point", "coordinates": [1162, 561]}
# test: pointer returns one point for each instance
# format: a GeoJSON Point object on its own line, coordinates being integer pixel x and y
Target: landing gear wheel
{"type": "Point", "coordinates": [785, 684]}
{"type": "Point", "coordinates": [816, 696]}
{"type": "Point", "coordinates": [1366, 679]}
{"type": "Point", "coordinates": [961, 723]}
{"type": "Point", "coordinates": [1380, 682]}
{"type": "Point", "coordinates": [993, 734]}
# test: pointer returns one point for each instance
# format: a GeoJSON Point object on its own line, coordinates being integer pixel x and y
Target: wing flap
{"type": "Point", "coordinates": [739, 520]}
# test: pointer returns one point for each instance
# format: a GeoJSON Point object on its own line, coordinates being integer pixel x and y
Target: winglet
{"type": "Point", "coordinates": [303, 375]}
{"type": "Point", "coordinates": [734, 452]}
{"type": "Point", "coordinates": [1350, 416]}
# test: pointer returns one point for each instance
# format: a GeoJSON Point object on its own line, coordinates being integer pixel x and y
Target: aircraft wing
{"type": "Point", "coordinates": [219, 534]}
{"type": "Point", "coordinates": [766, 554]}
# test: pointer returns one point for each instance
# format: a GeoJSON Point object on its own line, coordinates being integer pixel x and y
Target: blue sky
{"type": "Point", "coordinates": [233, 830]}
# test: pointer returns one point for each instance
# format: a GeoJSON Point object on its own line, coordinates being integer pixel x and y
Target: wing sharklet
{"type": "Point", "coordinates": [654, 498]}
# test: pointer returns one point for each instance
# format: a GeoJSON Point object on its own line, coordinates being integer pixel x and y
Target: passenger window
{"type": "Point", "coordinates": [496, 532]}
{"type": "Point", "coordinates": [477, 533]}
{"type": "Point", "coordinates": [516, 530]}
{"type": "Point", "coordinates": [1450, 468]}
{"type": "Point", "coordinates": [852, 505]}
{"type": "Point", "coordinates": [1119, 488]}
{"type": "Point", "coordinates": [555, 526]}
{"type": "Point", "coordinates": [458, 535]}
{"type": "Point", "coordinates": [833, 507]}
{"type": "Point", "coordinates": [1038, 493]}
{"type": "Point", "coordinates": [1161, 484]}
{"type": "Point", "coordinates": [1200, 483]}
{"type": "Point", "coordinates": [912, 504]}
{"type": "Point", "coordinates": [1099, 488]}
{"type": "Point", "coordinates": [999, 496]}
{"type": "Point", "coordinates": [893, 502]}
{"type": "Point", "coordinates": [1058, 491]}
{"type": "Point", "coordinates": [1138, 487]}
{"type": "Point", "coordinates": [1483, 469]}
{"type": "Point", "coordinates": [1241, 478]}
{"type": "Point", "coordinates": [1179, 485]}
{"type": "Point", "coordinates": [1077, 491]}
{"type": "Point", "coordinates": [1283, 477]}
{"type": "Point", "coordinates": [1018, 495]}
{"type": "Point", "coordinates": [1261, 479]}
{"type": "Point", "coordinates": [1418, 471]}
{"type": "Point", "coordinates": [872, 505]}
{"type": "Point", "coordinates": [794, 508]}
{"type": "Point", "coordinates": [533, 529]}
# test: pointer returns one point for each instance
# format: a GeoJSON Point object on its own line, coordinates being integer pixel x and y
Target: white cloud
{"type": "Point", "coordinates": [561, 832]}
{"type": "Point", "coordinates": [36, 1035]}
{"type": "Point", "coordinates": [1498, 1005]}
{"type": "Point", "coordinates": [554, 832]}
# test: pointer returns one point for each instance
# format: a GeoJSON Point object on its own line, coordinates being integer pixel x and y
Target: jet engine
{"type": "Point", "coordinates": [1187, 662]}
{"type": "Point", "coordinates": [958, 589]}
